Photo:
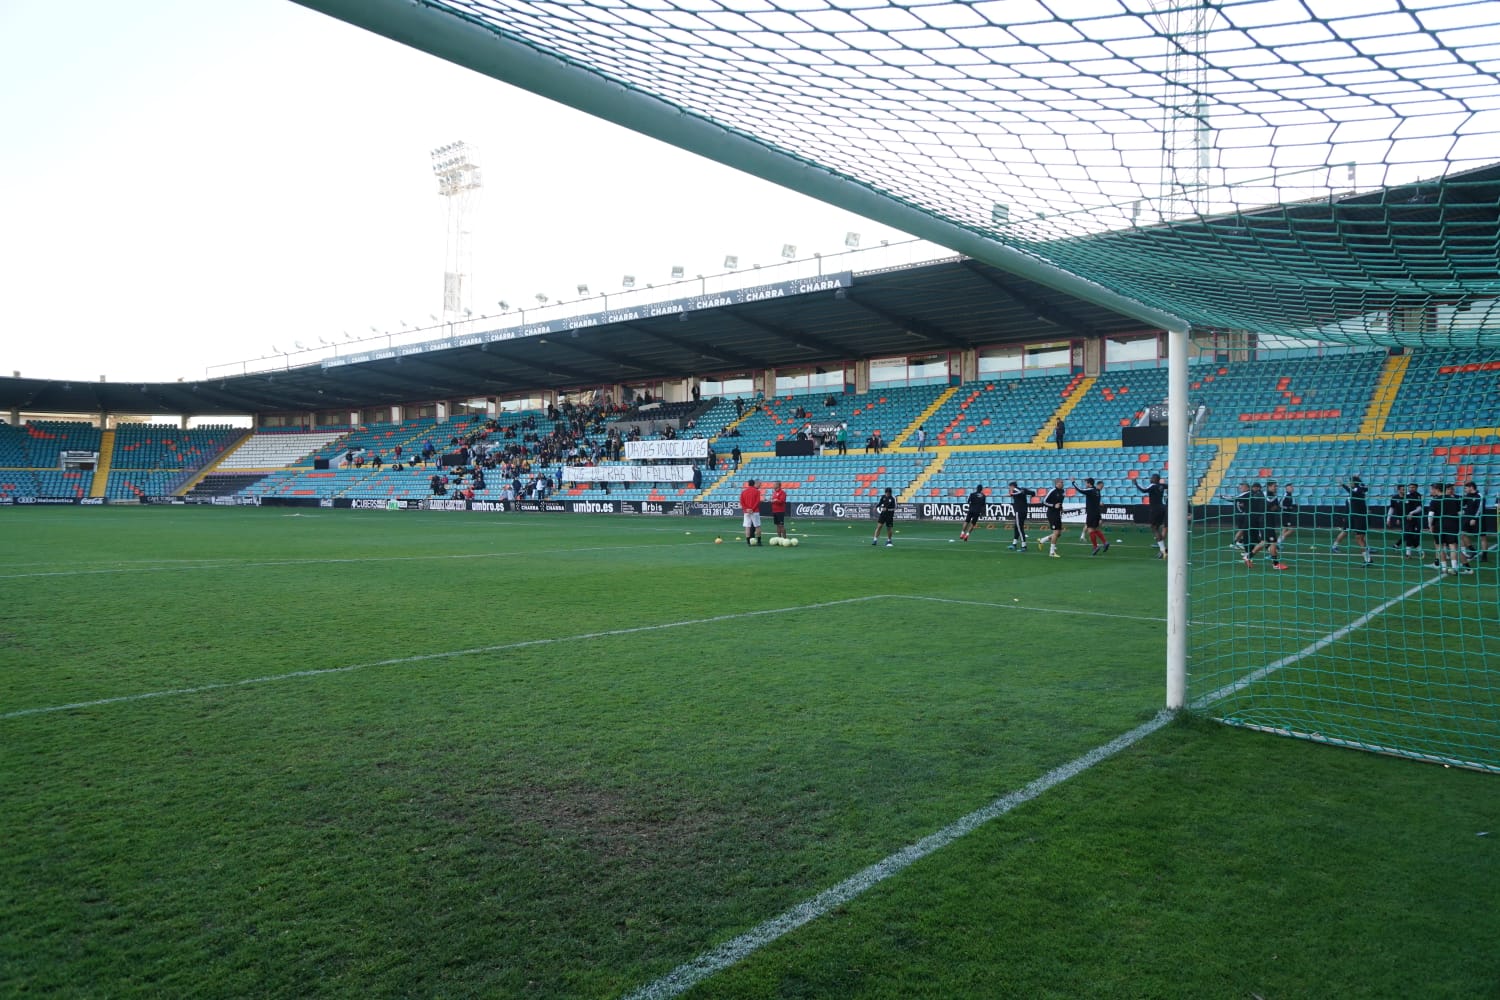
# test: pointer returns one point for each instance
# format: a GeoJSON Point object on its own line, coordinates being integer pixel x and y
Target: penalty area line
{"type": "Point", "coordinates": [424, 657]}
{"type": "Point", "coordinates": [735, 950]}
{"type": "Point", "coordinates": [1332, 637]}
{"type": "Point", "coordinates": [689, 974]}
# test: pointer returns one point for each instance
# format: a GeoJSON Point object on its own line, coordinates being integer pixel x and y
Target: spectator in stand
{"type": "Point", "coordinates": [1061, 433]}
{"type": "Point", "coordinates": [735, 457]}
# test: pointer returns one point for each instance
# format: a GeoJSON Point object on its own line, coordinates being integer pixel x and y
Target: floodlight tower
{"type": "Point", "coordinates": [456, 167]}
{"type": "Point", "coordinates": [1186, 137]}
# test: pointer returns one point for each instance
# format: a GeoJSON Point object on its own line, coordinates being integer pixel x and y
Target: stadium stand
{"type": "Point", "coordinates": [1117, 467]}
{"type": "Point", "coordinates": [1116, 399]}
{"type": "Point", "coordinates": [1001, 411]}
{"type": "Point", "coordinates": [1288, 396]}
{"type": "Point", "coordinates": [853, 478]}
{"type": "Point", "coordinates": [278, 449]}
{"type": "Point", "coordinates": [1435, 382]}
{"type": "Point", "coordinates": [1381, 463]}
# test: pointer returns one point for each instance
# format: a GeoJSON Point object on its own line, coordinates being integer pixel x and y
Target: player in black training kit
{"type": "Point", "coordinates": [1448, 513]}
{"type": "Point", "coordinates": [1260, 534]}
{"type": "Point", "coordinates": [1020, 499]}
{"type": "Point", "coordinates": [1288, 516]}
{"type": "Point", "coordinates": [977, 502]}
{"type": "Point", "coordinates": [1241, 501]}
{"type": "Point", "coordinates": [1356, 516]}
{"type": "Point", "coordinates": [1430, 512]}
{"type": "Point", "coordinates": [1474, 537]}
{"type": "Point", "coordinates": [1409, 518]}
{"type": "Point", "coordinates": [885, 517]}
{"type": "Point", "coordinates": [1156, 498]}
{"type": "Point", "coordinates": [1053, 501]}
{"type": "Point", "coordinates": [1093, 514]}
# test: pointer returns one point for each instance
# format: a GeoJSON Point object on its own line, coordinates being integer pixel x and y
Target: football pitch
{"type": "Point", "coordinates": [257, 752]}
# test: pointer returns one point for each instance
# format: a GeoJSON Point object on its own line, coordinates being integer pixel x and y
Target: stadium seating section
{"type": "Point", "coordinates": [1299, 420]}
{"type": "Point", "coordinates": [1448, 390]}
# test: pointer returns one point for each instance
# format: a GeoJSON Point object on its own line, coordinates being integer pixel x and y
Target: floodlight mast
{"type": "Point", "coordinates": [1186, 135]}
{"type": "Point", "coordinates": [456, 167]}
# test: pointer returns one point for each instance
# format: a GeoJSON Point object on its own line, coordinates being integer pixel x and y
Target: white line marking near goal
{"type": "Point", "coordinates": [423, 657]}
{"type": "Point", "coordinates": [731, 952]}
{"type": "Point", "coordinates": [1028, 607]}
{"type": "Point", "coordinates": [1310, 649]}
{"type": "Point", "coordinates": [689, 974]}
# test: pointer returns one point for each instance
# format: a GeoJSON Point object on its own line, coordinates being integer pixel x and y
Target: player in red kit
{"type": "Point", "coordinates": [750, 511]}
{"type": "Point", "coordinates": [778, 510]}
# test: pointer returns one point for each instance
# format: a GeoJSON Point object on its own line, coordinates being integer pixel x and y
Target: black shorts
{"type": "Point", "coordinates": [1092, 520]}
{"type": "Point", "coordinates": [887, 518]}
{"type": "Point", "coordinates": [973, 516]}
{"type": "Point", "coordinates": [1444, 538]}
{"type": "Point", "coordinates": [778, 518]}
{"type": "Point", "coordinates": [1054, 520]}
{"type": "Point", "coordinates": [1158, 517]}
{"type": "Point", "coordinates": [1357, 523]}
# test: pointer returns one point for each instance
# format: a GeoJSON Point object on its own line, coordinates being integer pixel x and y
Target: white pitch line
{"type": "Point", "coordinates": [233, 564]}
{"type": "Point", "coordinates": [423, 657]}
{"type": "Point", "coordinates": [1028, 607]}
{"type": "Point", "coordinates": [689, 974]}
{"type": "Point", "coordinates": [731, 952]}
{"type": "Point", "coordinates": [1310, 649]}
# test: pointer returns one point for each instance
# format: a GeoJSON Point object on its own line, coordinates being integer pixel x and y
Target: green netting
{"type": "Point", "coordinates": [1278, 175]}
{"type": "Point", "coordinates": [1279, 166]}
{"type": "Point", "coordinates": [1373, 639]}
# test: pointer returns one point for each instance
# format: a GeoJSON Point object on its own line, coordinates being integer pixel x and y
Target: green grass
{"type": "Point", "coordinates": [554, 756]}
{"type": "Point", "coordinates": [1418, 676]}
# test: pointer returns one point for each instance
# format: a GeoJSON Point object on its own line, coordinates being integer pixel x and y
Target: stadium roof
{"type": "Point", "coordinates": [949, 305]}
{"type": "Point", "coordinates": [1443, 233]}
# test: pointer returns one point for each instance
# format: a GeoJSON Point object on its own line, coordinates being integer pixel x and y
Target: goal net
{"type": "Point", "coordinates": [1310, 187]}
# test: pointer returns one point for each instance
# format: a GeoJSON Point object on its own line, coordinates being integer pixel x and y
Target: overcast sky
{"type": "Point", "coordinates": [185, 184]}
